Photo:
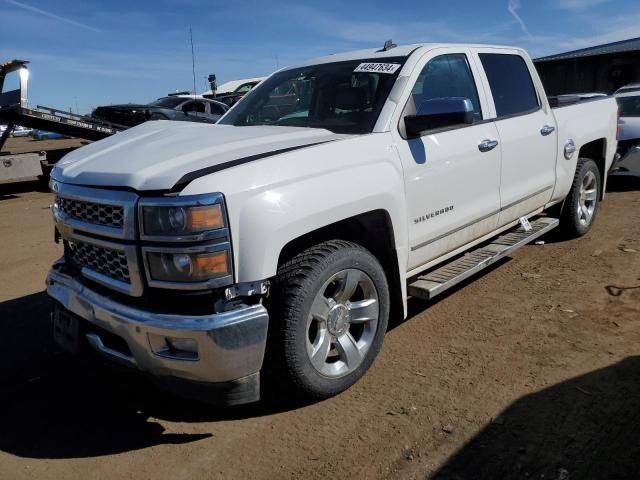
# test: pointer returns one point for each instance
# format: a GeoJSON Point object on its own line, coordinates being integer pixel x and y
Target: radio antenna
{"type": "Point", "coordinates": [193, 63]}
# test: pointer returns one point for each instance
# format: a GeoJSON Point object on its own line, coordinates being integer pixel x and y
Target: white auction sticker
{"type": "Point", "coordinates": [377, 67]}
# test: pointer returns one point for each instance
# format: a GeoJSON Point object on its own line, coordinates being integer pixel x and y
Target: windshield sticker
{"type": "Point", "coordinates": [377, 68]}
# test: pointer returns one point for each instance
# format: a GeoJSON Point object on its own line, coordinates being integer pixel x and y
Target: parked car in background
{"type": "Point", "coordinates": [187, 108]}
{"type": "Point", "coordinates": [628, 98]}
{"type": "Point", "coordinates": [231, 92]}
{"type": "Point", "coordinates": [238, 86]}
{"type": "Point", "coordinates": [570, 98]}
{"type": "Point", "coordinates": [630, 88]}
{"type": "Point", "coordinates": [44, 135]}
{"type": "Point", "coordinates": [19, 131]}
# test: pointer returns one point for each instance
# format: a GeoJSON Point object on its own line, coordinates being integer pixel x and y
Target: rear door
{"type": "Point", "coordinates": [451, 181]}
{"type": "Point", "coordinates": [526, 129]}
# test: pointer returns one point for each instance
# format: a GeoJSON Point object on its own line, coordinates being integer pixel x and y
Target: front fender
{"type": "Point", "coordinates": [278, 199]}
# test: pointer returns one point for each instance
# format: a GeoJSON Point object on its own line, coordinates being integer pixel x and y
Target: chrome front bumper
{"type": "Point", "coordinates": [230, 345]}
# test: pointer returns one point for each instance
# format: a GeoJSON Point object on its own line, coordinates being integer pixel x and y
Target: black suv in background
{"type": "Point", "coordinates": [188, 108]}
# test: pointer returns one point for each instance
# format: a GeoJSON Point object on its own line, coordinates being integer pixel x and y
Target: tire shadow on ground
{"type": "Point", "coordinates": [53, 405]}
{"type": "Point", "coordinates": [586, 427]}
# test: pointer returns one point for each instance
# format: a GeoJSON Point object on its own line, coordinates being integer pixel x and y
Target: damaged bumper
{"type": "Point", "coordinates": [222, 350]}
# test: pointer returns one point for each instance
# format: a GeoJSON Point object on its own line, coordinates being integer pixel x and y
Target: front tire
{"type": "Point", "coordinates": [581, 205]}
{"type": "Point", "coordinates": [332, 304]}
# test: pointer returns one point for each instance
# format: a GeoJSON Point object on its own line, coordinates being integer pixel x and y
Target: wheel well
{"type": "Point", "coordinates": [596, 151]}
{"type": "Point", "coordinates": [374, 231]}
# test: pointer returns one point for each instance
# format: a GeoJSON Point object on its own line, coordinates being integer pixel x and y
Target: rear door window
{"type": "Point", "coordinates": [511, 84]}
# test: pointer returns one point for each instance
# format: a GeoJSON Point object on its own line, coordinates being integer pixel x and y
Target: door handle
{"type": "Point", "coordinates": [487, 144]}
{"type": "Point", "coordinates": [547, 130]}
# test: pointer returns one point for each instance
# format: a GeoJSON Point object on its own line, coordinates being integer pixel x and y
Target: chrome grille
{"type": "Point", "coordinates": [89, 212]}
{"type": "Point", "coordinates": [112, 263]}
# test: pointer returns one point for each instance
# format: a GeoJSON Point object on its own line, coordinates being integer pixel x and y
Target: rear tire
{"type": "Point", "coordinates": [580, 207]}
{"type": "Point", "coordinates": [332, 306]}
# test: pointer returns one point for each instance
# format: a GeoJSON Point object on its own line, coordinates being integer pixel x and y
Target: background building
{"type": "Point", "coordinates": [603, 68]}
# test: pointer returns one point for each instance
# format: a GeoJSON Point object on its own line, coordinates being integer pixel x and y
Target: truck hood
{"type": "Point", "coordinates": [157, 155]}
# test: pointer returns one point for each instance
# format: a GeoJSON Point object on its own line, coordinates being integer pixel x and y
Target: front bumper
{"type": "Point", "coordinates": [230, 345]}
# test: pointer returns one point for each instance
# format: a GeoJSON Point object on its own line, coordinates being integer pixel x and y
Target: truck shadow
{"type": "Point", "coordinates": [14, 189]}
{"type": "Point", "coordinates": [586, 427]}
{"type": "Point", "coordinates": [55, 406]}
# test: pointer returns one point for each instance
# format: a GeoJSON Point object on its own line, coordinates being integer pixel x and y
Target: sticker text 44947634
{"type": "Point", "coordinates": [377, 68]}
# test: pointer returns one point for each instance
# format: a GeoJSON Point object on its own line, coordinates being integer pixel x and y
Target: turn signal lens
{"type": "Point", "coordinates": [200, 219]}
{"type": "Point", "coordinates": [210, 265]}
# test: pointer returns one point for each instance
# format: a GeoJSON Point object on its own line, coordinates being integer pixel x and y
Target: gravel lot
{"type": "Point", "coordinates": [532, 371]}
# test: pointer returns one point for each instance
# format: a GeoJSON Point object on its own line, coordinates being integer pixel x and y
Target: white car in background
{"type": "Point", "coordinates": [628, 98]}
{"type": "Point", "coordinates": [19, 131]}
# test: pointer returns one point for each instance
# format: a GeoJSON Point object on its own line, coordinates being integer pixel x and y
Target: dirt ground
{"type": "Point", "coordinates": [531, 371]}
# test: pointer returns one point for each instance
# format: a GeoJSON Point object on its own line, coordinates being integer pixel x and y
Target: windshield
{"type": "Point", "coordinates": [344, 97]}
{"type": "Point", "coordinates": [629, 106]}
{"type": "Point", "coordinates": [167, 102]}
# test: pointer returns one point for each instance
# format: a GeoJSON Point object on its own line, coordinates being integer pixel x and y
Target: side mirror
{"type": "Point", "coordinates": [439, 113]}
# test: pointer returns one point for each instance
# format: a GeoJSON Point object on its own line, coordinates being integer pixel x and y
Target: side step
{"type": "Point", "coordinates": [430, 284]}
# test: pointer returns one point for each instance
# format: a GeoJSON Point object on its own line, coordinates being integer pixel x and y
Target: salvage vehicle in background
{"type": "Point", "coordinates": [187, 108]}
{"type": "Point", "coordinates": [20, 119]}
{"type": "Point", "coordinates": [390, 173]}
{"type": "Point", "coordinates": [231, 92]}
{"type": "Point", "coordinates": [44, 135]}
{"type": "Point", "coordinates": [19, 131]}
{"type": "Point", "coordinates": [628, 98]}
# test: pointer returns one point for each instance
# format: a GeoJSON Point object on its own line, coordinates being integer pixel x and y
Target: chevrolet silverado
{"type": "Point", "coordinates": [288, 233]}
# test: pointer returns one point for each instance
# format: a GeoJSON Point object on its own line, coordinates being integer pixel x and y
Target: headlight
{"type": "Point", "coordinates": [181, 218]}
{"type": "Point", "coordinates": [188, 267]}
{"type": "Point", "coordinates": [186, 242]}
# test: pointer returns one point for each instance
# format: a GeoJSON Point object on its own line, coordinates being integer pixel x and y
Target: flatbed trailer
{"type": "Point", "coordinates": [14, 110]}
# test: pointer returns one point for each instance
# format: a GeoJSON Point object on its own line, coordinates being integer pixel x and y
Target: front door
{"type": "Point", "coordinates": [452, 175]}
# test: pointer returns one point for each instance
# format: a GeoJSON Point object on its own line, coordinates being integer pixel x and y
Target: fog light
{"type": "Point", "coordinates": [184, 345]}
{"type": "Point", "coordinates": [173, 347]}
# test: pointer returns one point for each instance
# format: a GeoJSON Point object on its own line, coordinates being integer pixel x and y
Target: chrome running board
{"type": "Point", "coordinates": [432, 283]}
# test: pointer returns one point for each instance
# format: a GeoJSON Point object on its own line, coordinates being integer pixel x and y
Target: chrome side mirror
{"type": "Point", "coordinates": [439, 113]}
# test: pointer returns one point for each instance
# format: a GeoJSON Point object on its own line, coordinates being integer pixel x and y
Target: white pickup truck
{"type": "Point", "coordinates": [288, 233]}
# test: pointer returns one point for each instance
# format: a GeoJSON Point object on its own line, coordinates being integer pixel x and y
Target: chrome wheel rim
{"type": "Point", "coordinates": [587, 198]}
{"type": "Point", "coordinates": [342, 323]}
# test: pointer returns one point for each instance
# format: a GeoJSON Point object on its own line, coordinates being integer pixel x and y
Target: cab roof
{"type": "Point", "coordinates": [379, 53]}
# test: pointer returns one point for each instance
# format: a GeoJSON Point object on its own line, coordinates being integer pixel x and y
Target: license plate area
{"type": "Point", "coordinates": [66, 330]}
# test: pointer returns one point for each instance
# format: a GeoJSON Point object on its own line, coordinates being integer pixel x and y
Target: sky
{"type": "Point", "coordinates": [86, 53]}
